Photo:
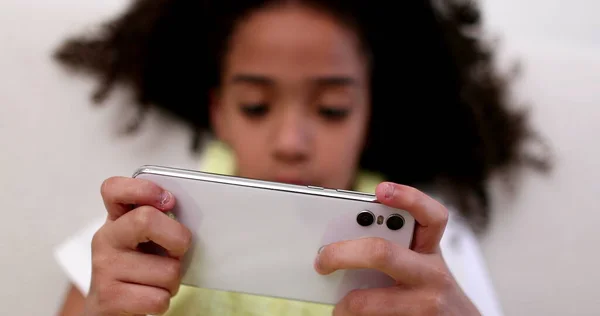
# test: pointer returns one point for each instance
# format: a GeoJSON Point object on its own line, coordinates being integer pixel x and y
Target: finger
{"type": "Point", "coordinates": [146, 269]}
{"type": "Point", "coordinates": [133, 299]}
{"type": "Point", "coordinates": [119, 193]}
{"type": "Point", "coordinates": [431, 216]}
{"type": "Point", "coordinates": [145, 224]}
{"type": "Point", "coordinates": [402, 264]}
{"type": "Point", "coordinates": [394, 301]}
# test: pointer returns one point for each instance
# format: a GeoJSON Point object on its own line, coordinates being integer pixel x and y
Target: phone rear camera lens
{"type": "Point", "coordinates": [395, 222]}
{"type": "Point", "coordinates": [365, 218]}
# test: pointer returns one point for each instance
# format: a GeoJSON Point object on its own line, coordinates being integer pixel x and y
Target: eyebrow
{"type": "Point", "coordinates": [334, 81]}
{"type": "Point", "coordinates": [320, 81]}
{"type": "Point", "coordinates": [255, 79]}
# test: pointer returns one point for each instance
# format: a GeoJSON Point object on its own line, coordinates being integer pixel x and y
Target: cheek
{"type": "Point", "coordinates": [344, 145]}
{"type": "Point", "coordinates": [353, 134]}
{"type": "Point", "coordinates": [249, 147]}
{"type": "Point", "coordinates": [340, 149]}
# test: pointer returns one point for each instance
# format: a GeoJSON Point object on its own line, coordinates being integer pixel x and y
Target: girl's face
{"type": "Point", "coordinates": [294, 98]}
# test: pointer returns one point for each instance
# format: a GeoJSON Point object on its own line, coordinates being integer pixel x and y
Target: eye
{"type": "Point", "coordinates": [255, 110]}
{"type": "Point", "coordinates": [334, 113]}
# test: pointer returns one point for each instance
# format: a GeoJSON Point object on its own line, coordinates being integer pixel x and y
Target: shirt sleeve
{"type": "Point", "coordinates": [464, 258]}
{"type": "Point", "coordinates": [74, 256]}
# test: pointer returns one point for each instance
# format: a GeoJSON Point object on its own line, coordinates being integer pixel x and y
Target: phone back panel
{"type": "Point", "coordinates": [262, 238]}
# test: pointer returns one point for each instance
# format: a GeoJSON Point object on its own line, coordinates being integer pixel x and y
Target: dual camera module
{"type": "Point", "coordinates": [393, 222]}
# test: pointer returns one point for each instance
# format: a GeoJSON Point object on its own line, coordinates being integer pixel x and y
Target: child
{"type": "Point", "coordinates": [339, 94]}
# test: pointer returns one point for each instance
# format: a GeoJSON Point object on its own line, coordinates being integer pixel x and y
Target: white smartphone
{"type": "Point", "coordinates": [261, 238]}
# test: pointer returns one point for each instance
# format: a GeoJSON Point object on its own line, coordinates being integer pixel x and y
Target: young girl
{"type": "Point", "coordinates": [339, 94]}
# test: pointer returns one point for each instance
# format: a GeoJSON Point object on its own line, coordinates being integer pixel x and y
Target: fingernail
{"type": "Point", "coordinates": [318, 257]}
{"type": "Point", "coordinates": [165, 197]}
{"type": "Point", "coordinates": [316, 264]}
{"type": "Point", "coordinates": [389, 190]}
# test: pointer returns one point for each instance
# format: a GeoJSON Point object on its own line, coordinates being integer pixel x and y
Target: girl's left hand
{"type": "Point", "coordinates": [425, 286]}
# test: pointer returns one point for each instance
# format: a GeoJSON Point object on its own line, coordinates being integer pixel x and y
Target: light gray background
{"type": "Point", "coordinates": [55, 149]}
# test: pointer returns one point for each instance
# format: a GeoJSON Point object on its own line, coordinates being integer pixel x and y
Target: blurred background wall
{"type": "Point", "coordinates": [55, 149]}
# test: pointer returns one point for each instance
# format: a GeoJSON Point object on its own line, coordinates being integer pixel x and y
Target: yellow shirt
{"type": "Point", "coordinates": [192, 301]}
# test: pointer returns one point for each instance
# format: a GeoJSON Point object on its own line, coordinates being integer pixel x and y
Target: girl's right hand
{"type": "Point", "coordinates": [125, 280]}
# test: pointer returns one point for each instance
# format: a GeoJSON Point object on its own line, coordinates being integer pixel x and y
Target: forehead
{"type": "Point", "coordinates": [294, 43]}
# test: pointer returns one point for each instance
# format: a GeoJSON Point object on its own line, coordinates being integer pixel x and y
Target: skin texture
{"type": "Point", "coordinates": [279, 109]}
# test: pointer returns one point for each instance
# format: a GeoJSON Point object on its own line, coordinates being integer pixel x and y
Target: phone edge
{"type": "Point", "coordinates": [261, 184]}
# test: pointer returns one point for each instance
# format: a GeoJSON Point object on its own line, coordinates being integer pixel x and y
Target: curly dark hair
{"type": "Point", "coordinates": [441, 113]}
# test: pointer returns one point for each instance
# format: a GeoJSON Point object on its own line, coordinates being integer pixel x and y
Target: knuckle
{"type": "Point", "coordinates": [439, 276]}
{"type": "Point", "coordinates": [186, 240]}
{"type": "Point", "coordinates": [439, 213]}
{"type": "Point", "coordinates": [173, 274]}
{"type": "Point", "coordinates": [97, 241]}
{"type": "Point", "coordinates": [434, 304]}
{"type": "Point", "coordinates": [158, 302]}
{"type": "Point", "coordinates": [106, 296]}
{"type": "Point", "coordinates": [144, 216]}
{"type": "Point", "coordinates": [445, 280]}
{"type": "Point", "coordinates": [101, 259]}
{"type": "Point", "coordinates": [382, 252]}
{"type": "Point", "coordinates": [102, 263]}
{"type": "Point", "coordinates": [355, 303]}
{"type": "Point", "coordinates": [444, 215]}
{"type": "Point", "coordinates": [172, 270]}
{"type": "Point", "coordinates": [107, 185]}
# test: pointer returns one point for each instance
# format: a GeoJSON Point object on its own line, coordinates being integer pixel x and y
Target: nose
{"type": "Point", "coordinates": [292, 138]}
